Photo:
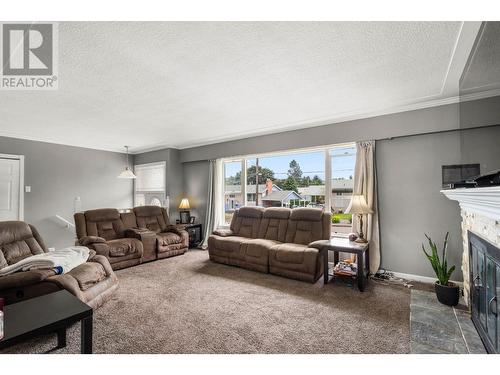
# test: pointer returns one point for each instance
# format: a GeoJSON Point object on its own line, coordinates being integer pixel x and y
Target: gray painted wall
{"type": "Point", "coordinates": [409, 174]}
{"type": "Point", "coordinates": [410, 204]}
{"type": "Point", "coordinates": [409, 171]}
{"type": "Point", "coordinates": [196, 188]}
{"type": "Point", "coordinates": [174, 175]}
{"type": "Point", "coordinates": [57, 174]}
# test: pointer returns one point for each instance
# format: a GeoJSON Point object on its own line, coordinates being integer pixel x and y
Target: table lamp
{"type": "Point", "coordinates": [358, 206]}
{"type": "Point", "coordinates": [184, 211]}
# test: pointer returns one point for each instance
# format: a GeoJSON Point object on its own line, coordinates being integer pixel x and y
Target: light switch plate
{"type": "Point", "coordinates": [27, 189]}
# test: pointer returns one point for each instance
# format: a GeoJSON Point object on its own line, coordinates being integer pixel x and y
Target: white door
{"type": "Point", "coordinates": [9, 189]}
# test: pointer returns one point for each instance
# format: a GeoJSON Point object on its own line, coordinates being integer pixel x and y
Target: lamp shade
{"type": "Point", "coordinates": [358, 205]}
{"type": "Point", "coordinates": [184, 204]}
{"type": "Point", "coordinates": [127, 173]}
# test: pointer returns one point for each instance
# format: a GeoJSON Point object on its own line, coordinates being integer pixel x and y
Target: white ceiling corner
{"type": "Point", "coordinates": [179, 84]}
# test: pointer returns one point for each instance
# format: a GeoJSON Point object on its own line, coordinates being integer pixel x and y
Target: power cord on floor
{"type": "Point", "coordinates": [389, 278]}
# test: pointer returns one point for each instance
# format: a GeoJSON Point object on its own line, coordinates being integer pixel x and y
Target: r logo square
{"type": "Point", "coordinates": [29, 56]}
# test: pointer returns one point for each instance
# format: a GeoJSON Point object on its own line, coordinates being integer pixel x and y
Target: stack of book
{"type": "Point", "coordinates": [345, 268]}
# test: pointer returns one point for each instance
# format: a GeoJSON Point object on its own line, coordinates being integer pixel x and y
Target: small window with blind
{"type": "Point", "coordinates": [149, 186]}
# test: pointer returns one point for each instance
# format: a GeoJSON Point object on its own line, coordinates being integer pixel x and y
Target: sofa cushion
{"type": "Point", "coordinates": [123, 246]}
{"type": "Point", "coordinates": [227, 244]}
{"type": "Point", "coordinates": [17, 241]}
{"type": "Point", "coordinates": [289, 253]}
{"type": "Point", "coordinates": [294, 257]}
{"type": "Point", "coordinates": [169, 238]}
{"type": "Point", "coordinates": [104, 222]}
{"type": "Point", "coordinates": [306, 225]}
{"type": "Point", "coordinates": [256, 250]}
{"type": "Point", "coordinates": [102, 214]}
{"type": "Point", "coordinates": [307, 214]}
{"type": "Point", "coordinates": [274, 224]}
{"type": "Point", "coordinates": [153, 218]}
{"type": "Point", "coordinates": [88, 274]}
{"type": "Point", "coordinates": [21, 279]}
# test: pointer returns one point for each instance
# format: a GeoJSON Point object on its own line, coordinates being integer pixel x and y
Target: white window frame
{"type": "Point", "coordinates": [163, 164]}
{"type": "Point", "coordinates": [328, 168]}
{"type": "Point", "coordinates": [243, 177]}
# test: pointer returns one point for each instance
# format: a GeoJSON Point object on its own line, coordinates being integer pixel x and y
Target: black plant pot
{"type": "Point", "coordinates": [447, 294]}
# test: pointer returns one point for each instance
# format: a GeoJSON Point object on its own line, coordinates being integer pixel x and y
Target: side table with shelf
{"type": "Point", "coordinates": [195, 233]}
{"type": "Point", "coordinates": [343, 245]}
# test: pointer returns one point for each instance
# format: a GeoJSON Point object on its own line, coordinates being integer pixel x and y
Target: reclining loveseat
{"type": "Point", "coordinates": [273, 240]}
{"type": "Point", "coordinates": [130, 238]}
{"type": "Point", "coordinates": [93, 282]}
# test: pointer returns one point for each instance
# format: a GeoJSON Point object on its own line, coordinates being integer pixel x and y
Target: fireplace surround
{"type": "Point", "coordinates": [484, 274]}
{"type": "Point", "coordinates": [480, 211]}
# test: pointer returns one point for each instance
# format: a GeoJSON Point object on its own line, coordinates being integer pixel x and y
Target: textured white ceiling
{"type": "Point", "coordinates": [179, 84]}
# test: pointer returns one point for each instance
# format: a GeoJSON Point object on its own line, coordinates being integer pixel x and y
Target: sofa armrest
{"type": "Point", "coordinates": [21, 279]}
{"type": "Point", "coordinates": [100, 249]}
{"type": "Point", "coordinates": [223, 232]}
{"type": "Point", "coordinates": [148, 240]}
{"type": "Point", "coordinates": [104, 263]}
{"type": "Point", "coordinates": [139, 233]}
{"type": "Point", "coordinates": [174, 229]}
{"type": "Point", "coordinates": [88, 240]}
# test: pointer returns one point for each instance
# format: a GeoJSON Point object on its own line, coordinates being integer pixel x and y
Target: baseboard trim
{"type": "Point", "coordinates": [422, 279]}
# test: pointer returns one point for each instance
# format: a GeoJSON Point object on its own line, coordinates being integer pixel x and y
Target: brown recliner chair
{"type": "Point", "coordinates": [170, 240]}
{"type": "Point", "coordinates": [92, 282]}
{"type": "Point", "coordinates": [103, 230]}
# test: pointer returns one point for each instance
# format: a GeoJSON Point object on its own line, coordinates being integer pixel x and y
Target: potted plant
{"type": "Point", "coordinates": [446, 291]}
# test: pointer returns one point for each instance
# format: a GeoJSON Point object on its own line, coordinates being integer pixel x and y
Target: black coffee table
{"type": "Point", "coordinates": [50, 313]}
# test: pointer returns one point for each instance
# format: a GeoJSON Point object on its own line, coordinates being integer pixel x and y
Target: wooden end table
{"type": "Point", "coordinates": [343, 245]}
{"type": "Point", "coordinates": [53, 312]}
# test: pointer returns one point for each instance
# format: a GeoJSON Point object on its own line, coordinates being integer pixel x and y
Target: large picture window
{"type": "Point", "coordinates": [149, 186]}
{"type": "Point", "coordinates": [233, 192]}
{"type": "Point", "coordinates": [320, 177]}
{"type": "Point", "coordinates": [342, 160]}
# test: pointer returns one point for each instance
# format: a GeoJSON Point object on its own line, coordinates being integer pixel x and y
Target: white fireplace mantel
{"type": "Point", "coordinates": [480, 211]}
{"type": "Point", "coordinates": [484, 200]}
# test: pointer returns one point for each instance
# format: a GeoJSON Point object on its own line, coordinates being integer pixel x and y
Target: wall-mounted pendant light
{"type": "Point", "coordinates": [127, 173]}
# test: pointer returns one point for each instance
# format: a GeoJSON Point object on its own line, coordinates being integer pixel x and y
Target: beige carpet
{"type": "Point", "coordinates": [188, 304]}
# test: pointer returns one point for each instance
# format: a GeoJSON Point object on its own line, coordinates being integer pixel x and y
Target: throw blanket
{"type": "Point", "coordinates": [62, 261]}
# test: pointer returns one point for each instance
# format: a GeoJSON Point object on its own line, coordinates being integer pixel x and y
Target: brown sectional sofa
{"type": "Point", "coordinates": [92, 282]}
{"type": "Point", "coordinates": [273, 240]}
{"type": "Point", "coordinates": [130, 238]}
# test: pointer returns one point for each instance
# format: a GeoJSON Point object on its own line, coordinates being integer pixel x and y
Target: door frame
{"type": "Point", "coordinates": [21, 180]}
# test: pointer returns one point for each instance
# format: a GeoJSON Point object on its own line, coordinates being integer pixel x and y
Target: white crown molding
{"type": "Point", "coordinates": [109, 148]}
{"type": "Point", "coordinates": [348, 116]}
{"type": "Point", "coordinates": [484, 200]}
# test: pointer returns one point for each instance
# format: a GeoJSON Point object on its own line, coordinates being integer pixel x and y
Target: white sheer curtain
{"type": "Point", "coordinates": [214, 212]}
{"type": "Point", "coordinates": [365, 182]}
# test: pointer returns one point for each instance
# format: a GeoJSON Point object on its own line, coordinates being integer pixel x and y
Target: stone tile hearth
{"type": "Point", "coordinates": [439, 329]}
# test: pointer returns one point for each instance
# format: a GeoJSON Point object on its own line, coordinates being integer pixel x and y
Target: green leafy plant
{"type": "Point", "coordinates": [440, 266]}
